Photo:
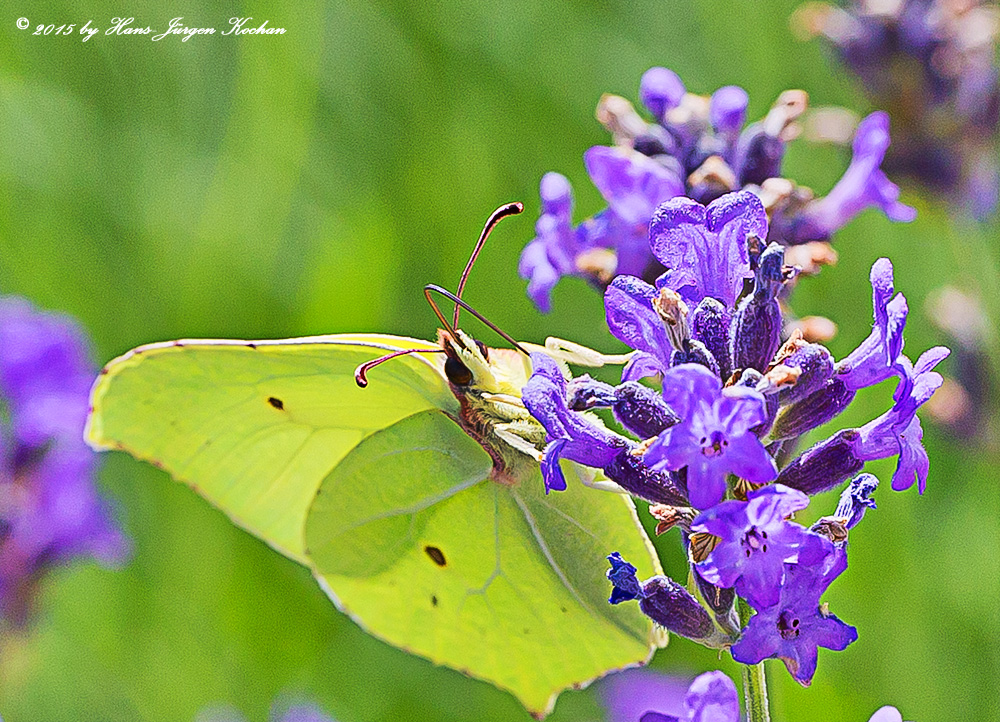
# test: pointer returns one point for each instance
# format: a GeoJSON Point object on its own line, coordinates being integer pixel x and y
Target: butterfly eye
{"type": "Point", "coordinates": [457, 372]}
{"type": "Point", "coordinates": [483, 350]}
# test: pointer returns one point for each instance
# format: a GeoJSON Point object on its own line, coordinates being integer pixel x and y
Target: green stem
{"type": "Point", "coordinates": [755, 693]}
{"type": "Point", "coordinates": [754, 678]}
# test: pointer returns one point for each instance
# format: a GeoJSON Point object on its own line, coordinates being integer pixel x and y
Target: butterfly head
{"type": "Point", "coordinates": [470, 366]}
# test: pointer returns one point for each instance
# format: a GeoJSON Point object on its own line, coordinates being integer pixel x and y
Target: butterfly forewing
{"type": "Point", "coordinates": [254, 427]}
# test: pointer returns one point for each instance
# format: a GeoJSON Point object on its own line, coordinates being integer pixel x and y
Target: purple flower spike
{"type": "Point", "coordinates": [898, 430]}
{"type": "Point", "coordinates": [660, 90]}
{"type": "Point", "coordinates": [571, 435]}
{"type": "Point", "coordinates": [863, 184]}
{"type": "Point", "coordinates": [706, 248]}
{"type": "Point", "coordinates": [793, 629]}
{"type": "Point", "coordinates": [756, 543]}
{"type": "Point", "coordinates": [51, 510]}
{"type": "Point", "coordinates": [552, 253]}
{"type": "Point", "coordinates": [876, 358]}
{"type": "Point", "coordinates": [714, 435]}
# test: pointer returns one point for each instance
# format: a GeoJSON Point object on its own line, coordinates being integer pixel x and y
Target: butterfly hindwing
{"type": "Point", "coordinates": [502, 582]}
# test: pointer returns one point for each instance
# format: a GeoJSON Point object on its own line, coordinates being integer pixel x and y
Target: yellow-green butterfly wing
{"type": "Point", "coordinates": [255, 426]}
{"type": "Point", "coordinates": [388, 500]}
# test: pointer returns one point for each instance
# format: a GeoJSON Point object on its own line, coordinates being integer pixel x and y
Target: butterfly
{"type": "Point", "coordinates": [413, 496]}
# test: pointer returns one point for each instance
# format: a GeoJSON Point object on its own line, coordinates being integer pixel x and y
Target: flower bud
{"type": "Point", "coordinates": [661, 599]}
{"type": "Point", "coordinates": [812, 411]}
{"type": "Point", "coordinates": [825, 465]}
{"type": "Point", "coordinates": [710, 322]}
{"type": "Point", "coordinates": [630, 472]}
{"type": "Point", "coordinates": [642, 410]}
{"type": "Point", "coordinates": [757, 324]}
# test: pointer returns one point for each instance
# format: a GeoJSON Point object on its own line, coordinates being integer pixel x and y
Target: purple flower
{"type": "Point", "coordinates": [663, 600]}
{"type": "Point", "coordinates": [876, 358]}
{"type": "Point", "coordinates": [46, 470]}
{"type": "Point", "coordinates": [571, 435]}
{"type": "Point", "coordinates": [898, 430]}
{"type": "Point", "coordinates": [629, 697]}
{"type": "Point", "coordinates": [863, 184]}
{"type": "Point", "coordinates": [947, 54]}
{"type": "Point", "coordinates": [793, 629]}
{"type": "Point", "coordinates": [713, 436]}
{"type": "Point", "coordinates": [706, 249]}
{"type": "Point", "coordinates": [756, 543]}
{"type": "Point", "coordinates": [552, 254]}
{"type": "Point", "coordinates": [628, 309]}
{"type": "Point", "coordinates": [660, 90]}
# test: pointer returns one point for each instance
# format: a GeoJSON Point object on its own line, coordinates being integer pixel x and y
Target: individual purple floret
{"type": "Point", "coordinates": [864, 184]}
{"type": "Point", "coordinates": [876, 358]}
{"type": "Point", "coordinates": [793, 629]}
{"type": "Point", "coordinates": [663, 600]}
{"type": "Point", "coordinates": [571, 436]}
{"type": "Point", "coordinates": [932, 64]}
{"type": "Point", "coordinates": [553, 252]}
{"type": "Point", "coordinates": [695, 150]}
{"type": "Point", "coordinates": [706, 249]}
{"type": "Point", "coordinates": [52, 511]}
{"type": "Point", "coordinates": [756, 542]}
{"type": "Point", "coordinates": [898, 432]}
{"type": "Point", "coordinates": [714, 435]}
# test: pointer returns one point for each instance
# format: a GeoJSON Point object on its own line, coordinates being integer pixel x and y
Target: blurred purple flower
{"type": "Point", "coordinates": [281, 711]}
{"type": "Point", "coordinates": [932, 64]}
{"type": "Point", "coordinates": [714, 435]}
{"type": "Point", "coordinates": [863, 184]}
{"type": "Point", "coordinates": [50, 510]}
{"type": "Point", "coordinates": [647, 696]}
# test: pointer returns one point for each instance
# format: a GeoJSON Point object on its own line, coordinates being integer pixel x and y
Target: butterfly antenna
{"type": "Point", "coordinates": [361, 372]}
{"type": "Point", "coordinates": [510, 209]}
{"type": "Point", "coordinates": [459, 302]}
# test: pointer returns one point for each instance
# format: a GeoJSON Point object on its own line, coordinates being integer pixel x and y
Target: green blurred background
{"type": "Point", "coordinates": [311, 183]}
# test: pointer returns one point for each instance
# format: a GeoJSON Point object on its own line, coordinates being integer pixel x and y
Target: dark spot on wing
{"type": "Point", "coordinates": [178, 344]}
{"type": "Point", "coordinates": [564, 610]}
{"type": "Point", "coordinates": [436, 555]}
{"type": "Point", "coordinates": [276, 402]}
{"type": "Point", "coordinates": [251, 345]}
{"type": "Point", "coordinates": [434, 600]}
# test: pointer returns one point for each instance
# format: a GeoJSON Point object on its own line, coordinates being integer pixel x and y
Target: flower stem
{"type": "Point", "coordinates": [754, 678]}
{"type": "Point", "coordinates": [755, 693]}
